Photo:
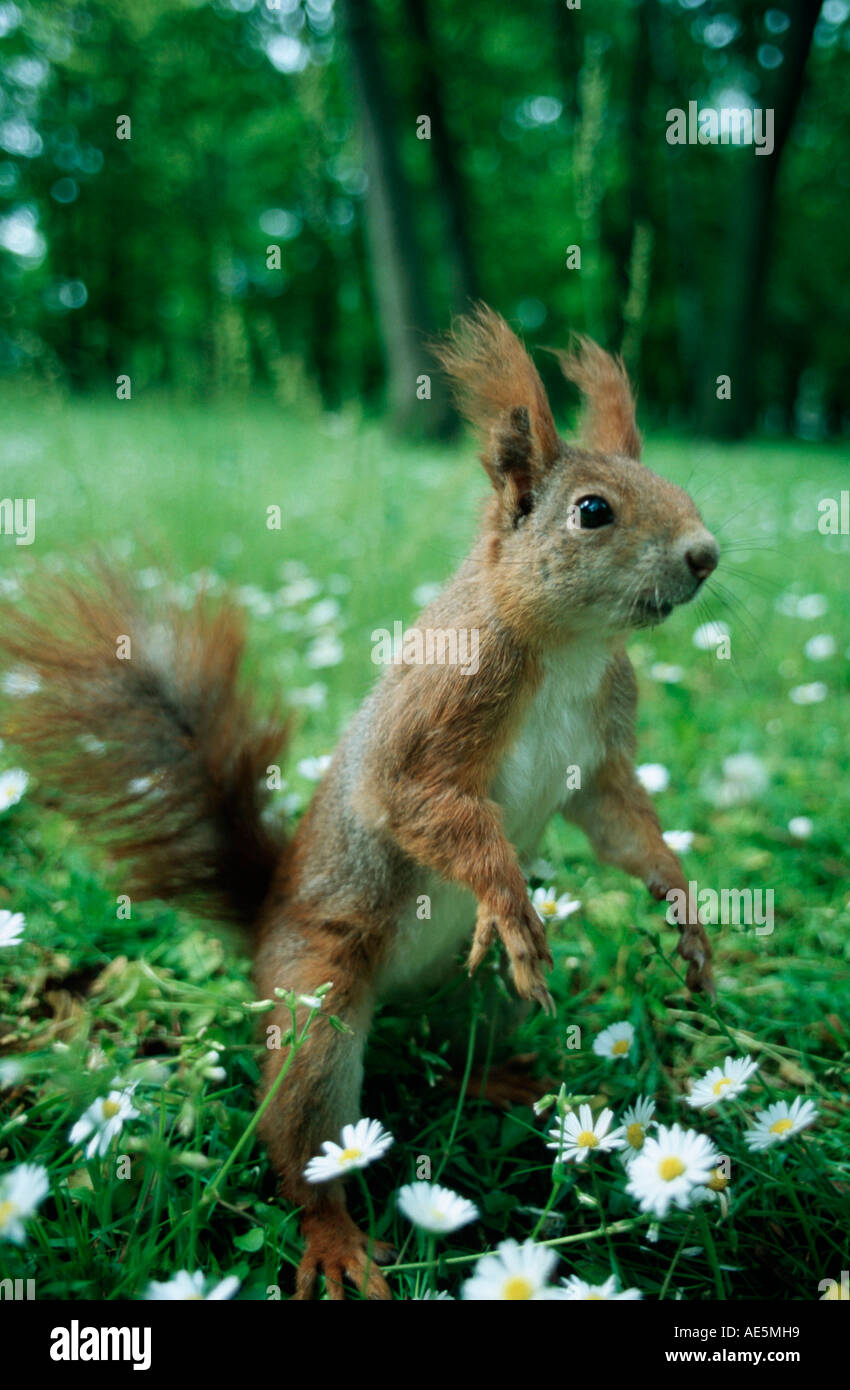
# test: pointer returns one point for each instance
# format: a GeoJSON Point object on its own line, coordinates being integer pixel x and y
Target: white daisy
{"type": "Point", "coordinates": [314, 769]}
{"type": "Point", "coordinates": [140, 786]}
{"type": "Point", "coordinates": [326, 650]}
{"type": "Point", "coordinates": [820, 648]}
{"type": "Point", "coordinates": [811, 606]}
{"type": "Point", "coordinates": [614, 1041]}
{"type": "Point", "coordinates": [668, 675]}
{"type": "Point", "coordinates": [326, 611]}
{"type": "Point", "coordinates": [11, 1072]}
{"type": "Point", "coordinates": [313, 696]}
{"type": "Point", "coordinates": [22, 1190]}
{"type": "Point", "coordinates": [653, 777]}
{"type": "Point", "coordinates": [779, 1122]}
{"type": "Point", "coordinates": [12, 928]}
{"type": "Point", "coordinates": [300, 590]}
{"type": "Point", "coordinates": [575, 1136]}
{"type": "Point", "coordinates": [424, 594]}
{"type": "Point", "coordinates": [191, 1288]}
{"type": "Point", "coordinates": [670, 1165]}
{"type": "Point", "coordinates": [636, 1121]}
{"type": "Point", "coordinates": [435, 1208]}
{"type": "Point", "coordinates": [550, 908]}
{"type": "Point", "coordinates": [513, 1272]}
{"type": "Point", "coordinates": [810, 694]}
{"type": "Point", "coordinates": [715, 1188]}
{"type": "Point", "coordinates": [800, 827]}
{"type": "Point", "coordinates": [744, 779]}
{"type": "Point", "coordinates": [541, 868]}
{"type": "Point", "coordinates": [13, 784]}
{"type": "Point", "coordinates": [253, 598]}
{"type": "Point", "coordinates": [710, 635]}
{"type": "Point", "coordinates": [680, 841]}
{"type": "Point", "coordinates": [90, 744]}
{"type": "Point", "coordinates": [577, 1289]}
{"type": "Point", "coordinates": [722, 1083]}
{"type": "Point", "coordinates": [103, 1120]}
{"type": "Point", "coordinates": [149, 578]}
{"type": "Point", "coordinates": [20, 682]}
{"type": "Point", "coordinates": [362, 1143]}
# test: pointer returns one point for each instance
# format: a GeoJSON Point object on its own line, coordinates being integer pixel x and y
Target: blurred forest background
{"type": "Point", "coordinates": [273, 218]}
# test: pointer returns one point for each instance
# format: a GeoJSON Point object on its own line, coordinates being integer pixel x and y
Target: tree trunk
{"type": "Point", "coordinates": [449, 181]}
{"type": "Point", "coordinates": [737, 332]}
{"type": "Point", "coordinates": [392, 238]}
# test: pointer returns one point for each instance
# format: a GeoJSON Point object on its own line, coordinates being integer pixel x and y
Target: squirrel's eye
{"type": "Point", "coordinates": [593, 512]}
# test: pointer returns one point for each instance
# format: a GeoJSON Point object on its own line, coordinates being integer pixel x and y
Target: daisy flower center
{"type": "Point", "coordinates": [517, 1287]}
{"type": "Point", "coordinates": [7, 1211]}
{"type": "Point", "coordinates": [587, 1139]}
{"type": "Point", "coordinates": [620, 1046]}
{"type": "Point", "coordinates": [110, 1109]}
{"type": "Point", "coordinates": [349, 1155]}
{"type": "Point", "coordinates": [720, 1085]}
{"type": "Point", "coordinates": [549, 908]}
{"type": "Point", "coordinates": [781, 1126]}
{"type": "Point", "coordinates": [635, 1135]}
{"type": "Point", "coordinates": [717, 1181]}
{"type": "Point", "coordinates": [670, 1168]}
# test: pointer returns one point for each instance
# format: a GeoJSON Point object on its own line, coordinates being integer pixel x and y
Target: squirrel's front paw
{"type": "Point", "coordinates": [695, 948]}
{"type": "Point", "coordinates": [694, 945]}
{"type": "Point", "coordinates": [523, 937]}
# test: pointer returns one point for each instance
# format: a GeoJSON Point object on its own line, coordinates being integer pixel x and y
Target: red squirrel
{"type": "Point", "coordinates": [443, 782]}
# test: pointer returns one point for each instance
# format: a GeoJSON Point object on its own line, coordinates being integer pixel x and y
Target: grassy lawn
{"type": "Point", "coordinates": [87, 998]}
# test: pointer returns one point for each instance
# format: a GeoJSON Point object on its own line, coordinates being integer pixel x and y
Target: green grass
{"type": "Point", "coordinates": [87, 998]}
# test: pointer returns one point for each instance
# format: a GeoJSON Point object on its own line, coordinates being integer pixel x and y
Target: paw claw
{"type": "Point", "coordinates": [524, 940]}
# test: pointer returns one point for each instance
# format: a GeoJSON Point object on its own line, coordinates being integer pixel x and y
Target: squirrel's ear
{"type": "Point", "coordinates": [608, 421]}
{"type": "Point", "coordinates": [497, 387]}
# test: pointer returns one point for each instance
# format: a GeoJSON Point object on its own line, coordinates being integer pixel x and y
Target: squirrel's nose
{"type": "Point", "coordinates": [702, 558]}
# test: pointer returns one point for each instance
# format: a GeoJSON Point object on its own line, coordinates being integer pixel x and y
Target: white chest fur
{"type": "Point", "coordinates": [560, 733]}
{"type": "Point", "coordinates": [559, 744]}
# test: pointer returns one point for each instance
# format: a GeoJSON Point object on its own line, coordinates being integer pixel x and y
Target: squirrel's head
{"type": "Point", "coordinates": [579, 537]}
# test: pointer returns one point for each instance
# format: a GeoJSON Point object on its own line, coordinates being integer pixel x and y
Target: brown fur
{"type": "Point", "coordinates": [491, 374]}
{"type": "Point", "coordinates": [412, 794]}
{"type": "Point", "coordinates": [609, 415]}
{"type": "Point", "coordinates": [176, 786]}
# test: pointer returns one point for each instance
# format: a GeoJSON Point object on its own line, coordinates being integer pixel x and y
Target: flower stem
{"type": "Point", "coordinates": [711, 1252]}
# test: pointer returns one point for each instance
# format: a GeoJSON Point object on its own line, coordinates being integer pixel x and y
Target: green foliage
{"type": "Point", "coordinates": [149, 256]}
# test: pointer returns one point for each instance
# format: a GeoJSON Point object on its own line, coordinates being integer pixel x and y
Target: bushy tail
{"type": "Point", "coordinates": [135, 717]}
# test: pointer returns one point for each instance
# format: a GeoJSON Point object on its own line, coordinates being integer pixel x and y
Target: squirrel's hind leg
{"type": "Point", "coordinates": [320, 1094]}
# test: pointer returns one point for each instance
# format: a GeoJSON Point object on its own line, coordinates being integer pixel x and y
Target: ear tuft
{"type": "Point", "coordinates": [608, 422]}
{"type": "Point", "coordinates": [494, 377]}
{"type": "Point", "coordinates": [512, 453]}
